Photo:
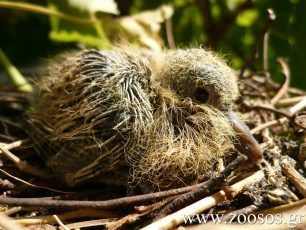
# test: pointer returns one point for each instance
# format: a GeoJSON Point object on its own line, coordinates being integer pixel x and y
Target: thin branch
{"type": "Point", "coordinates": [292, 111]}
{"type": "Point", "coordinates": [49, 219]}
{"type": "Point", "coordinates": [60, 222]}
{"type": "Point", "coordinates": [284, 88]}
{"type": "Point", "coordinates": [289, 101]}
{"type": "Point", "coordinates": [171, 221]}
{"type": "Point", "coordinates": [169, 32]}
{"type": "Point", "coordinates": [206, 189]}
{"type": "Point", "coordinates": [294, 177]}
{"type": "Point", "coordinates": [90, 223]}
{"type": "Point", "coordinates": [43, 10]}
{"type": "Point", "coordinates": [23, 165]}
{"type": "Point", "coordinates": [258, 42]}
{"type": "Point", "coordinates": [33, 185]}
{"type": "Point", "coordinates": [108, 204]}
{"type": "Point", "coordinates": [270, 109]}
{"type": "Point", "coordinates": [265, 57]}
{"type": "Point", "coordinates": [13, 145]}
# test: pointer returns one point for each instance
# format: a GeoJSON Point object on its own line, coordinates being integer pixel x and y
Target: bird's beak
{"type": "Point", "coordinates": [247, 144]}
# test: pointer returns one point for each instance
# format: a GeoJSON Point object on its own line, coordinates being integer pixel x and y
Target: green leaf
{"type": "Point", "coordinates": [65, 31]}
{"type": "Point", "coordinates": [92, 6]}
{"type": "Point", "coordinates": [247, 18]}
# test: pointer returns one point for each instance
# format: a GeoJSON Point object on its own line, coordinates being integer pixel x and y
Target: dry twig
{"type": "Point", "coordinates": [23, 165]}
{"type": "Point", "coordinates": [177, 218]}
{"type": "Point", "coordinates": [294, 177]}
{"type": "Point", "coordinates": [206, 189]}
{"type": "Point", "coordinates": [8, 224]}
{"type": "Point", "coordinates": [284, 88]}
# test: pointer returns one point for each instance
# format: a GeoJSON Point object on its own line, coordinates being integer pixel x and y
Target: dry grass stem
{"type": "Point", "coordinates": [32, 185]}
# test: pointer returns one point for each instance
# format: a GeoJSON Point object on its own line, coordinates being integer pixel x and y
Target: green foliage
{"type": "Point", "coordinates": [231, 27]}
{"type": "Point", "coordinates": [66, 31]}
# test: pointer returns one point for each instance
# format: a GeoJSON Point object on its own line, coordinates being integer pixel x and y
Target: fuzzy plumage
{"type": "Point", "coordinates": [157, 119]}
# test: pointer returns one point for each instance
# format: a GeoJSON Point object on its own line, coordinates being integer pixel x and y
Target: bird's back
{"type": "Point", "coordinates": [87, 107]}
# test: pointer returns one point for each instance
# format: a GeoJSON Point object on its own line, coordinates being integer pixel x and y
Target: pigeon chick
{"type": "Point", "coordinates": [157, 119]}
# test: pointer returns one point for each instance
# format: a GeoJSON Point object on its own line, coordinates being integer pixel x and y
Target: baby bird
{"type": "Point", "coordinates": [156, 119]}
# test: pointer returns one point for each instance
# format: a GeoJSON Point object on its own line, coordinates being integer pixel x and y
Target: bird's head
{"type": "Point", "coordinates": [198, 75]}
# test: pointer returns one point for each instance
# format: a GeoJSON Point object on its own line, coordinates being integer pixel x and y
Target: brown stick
{"type": "Point", "coordinates": [272, 17]}
{"type": "Point", "coordinates": [169, 32]}
{"type": "Point", "coordinates": [289, 101]}
{"type": "Point", "coordinates": [254, 55]}
{"type": "Point", "coordinates": [13, 145]}
{"type": "Point", "coordinates": [292, 111]}
{"type": "Point", "coordinates": [108, 204]}
{"type": "Point", "coordinates": [23, 165]}
{"type": "Point", "coordinates": [206, 189]}
{"type": "Point", "coordinates": [294, 177]}
{"type": "Point", "coordinates": [284, 88]}
{"type": "Point", "coordinates": [171, 221]}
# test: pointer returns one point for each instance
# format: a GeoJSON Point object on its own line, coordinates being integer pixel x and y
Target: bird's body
{"type": "Point", "coordinates": [159, 118]}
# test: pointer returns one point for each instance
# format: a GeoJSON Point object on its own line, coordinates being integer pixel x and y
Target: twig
{"type": "Point", "coordinates": [8, 224]}
{"type": "Point", "coordinates": [7, 184]}
{"type": "Point", "coordinates": [90, 223]}
{"type": "Point", "coordinates": [13, 210]}
{"type": "Point", "coordinates": [289, 101]}
{"type": "Point", "coordinates": [169, 32]}
{"type": "Point", "coordinates": [272, 17]}
{"type": "Point", "coordinates": [33, 185]}
{"type": "Point", "coordinates": [12, 145]}
{"type": "Point", "coordinates": [23, 165]}
{"type": "Point", "coordinates": [65, 216]}
{"type": "Point", "coordinates": [271, 109]}
{"type": "Point", "coordinates": [108, 204]}
{"type": "Point", "coordinates": [206, 189]}
{"type": "Point", "coordinates": [294, 177]}
{"type": "Point", "coordinates": [298, 107]}
{"type": "Point", "coordinates": [177, 218]}
{"type": "Point", "coordinates": [133, 217]}
{"type": "Point", "coordinates": [258, 42]}
{"type": "Point", "coordinates": [268, 124]}
{"type": "Point", "coordinates": [60, 222]}
{"type": "Point", "coordinates": [16, 77]}
{"type": "Point", "coordinates": [43, 10]}
{"type": "Point", "coordinates": [284, 88]}
{"type": "Point", "coordinates": [292, 111]}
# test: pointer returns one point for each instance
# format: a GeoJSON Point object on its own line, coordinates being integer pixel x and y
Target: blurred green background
{"type": "Point", "coordinates": [231, 27]}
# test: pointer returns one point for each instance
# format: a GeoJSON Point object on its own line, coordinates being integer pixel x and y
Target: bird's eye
{"type": "Point", "coordinates": [201, 95]}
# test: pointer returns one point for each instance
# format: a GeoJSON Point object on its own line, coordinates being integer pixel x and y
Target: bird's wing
{"type": "Point", "coordinates": [87, 108]}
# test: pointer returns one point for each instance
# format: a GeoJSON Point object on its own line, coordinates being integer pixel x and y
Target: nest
{"type": "Point", "coordinates": [154, 119]}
